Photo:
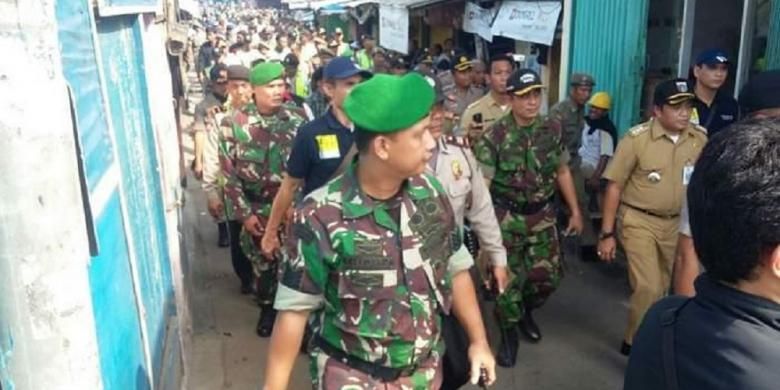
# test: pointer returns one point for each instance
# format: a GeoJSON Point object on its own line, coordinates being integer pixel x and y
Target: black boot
{"type": "Point", "coordinates": [224, 238]}
{"type": "Point", "coordinates": [265, 325]}
{"type": "Point", "coordinates": [529, 328]}
{"type": "Point", "coordinates": [507, 352]}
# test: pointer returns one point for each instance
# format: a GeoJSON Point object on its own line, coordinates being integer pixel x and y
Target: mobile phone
{"type": "Point", "coordinates": [477, 117]}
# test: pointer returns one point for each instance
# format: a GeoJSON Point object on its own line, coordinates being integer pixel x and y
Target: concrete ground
{"type": "Point", "coordinates": [582, 323]}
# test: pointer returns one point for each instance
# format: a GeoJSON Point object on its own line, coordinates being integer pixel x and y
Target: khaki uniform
{"type": "Point", "coordinates": [653, 172]}
{"type": "Point", "coordinates": [491, 111]}
{"type": "Point", "coordinates": [459, 173]}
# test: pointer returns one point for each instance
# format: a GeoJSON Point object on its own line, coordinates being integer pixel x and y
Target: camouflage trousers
{"type": "Point", "coordinates": [266, 269]}
{"type": "Point", "coordinates": [533, 255]}
{"type": "Point", "coordinates": [331, 374]}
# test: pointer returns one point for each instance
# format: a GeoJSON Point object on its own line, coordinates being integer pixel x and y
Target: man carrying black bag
{"type": "Point", "coordinates": [458, 171]}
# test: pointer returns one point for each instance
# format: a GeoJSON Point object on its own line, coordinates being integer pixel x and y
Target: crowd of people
{"type": "Point", "coordinates": [368, 196]}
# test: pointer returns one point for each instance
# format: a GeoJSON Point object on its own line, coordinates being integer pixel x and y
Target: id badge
{"type": "Point", "coordinates": [328, 146]}
{"type": "Point", "coordinates": [687, 172]}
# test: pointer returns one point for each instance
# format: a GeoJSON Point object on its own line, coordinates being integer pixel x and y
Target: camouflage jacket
{"type": "Point", "coordinates": [376, 273]}
{"type": "Point", "coordinates": [572, 120]}
{"type": "Point", "coordinates": [253, 158]}
{"type": "Point", "coordinates": [522, 162]}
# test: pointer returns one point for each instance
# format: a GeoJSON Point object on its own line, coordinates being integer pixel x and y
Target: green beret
{"type": "Point", "coordinates": [265, 72]}
{"type": "Point", "coordinates": [386, 104]}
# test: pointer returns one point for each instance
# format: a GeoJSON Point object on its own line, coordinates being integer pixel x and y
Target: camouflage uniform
{"type": "Point", "coordinates": [253, 170]}
{"type": "Point", "coordinates": [377, 275]}
{"type": "Point", "coordinates": [522, 163]}
{"type": "Point", "coordinates": [572, 118]}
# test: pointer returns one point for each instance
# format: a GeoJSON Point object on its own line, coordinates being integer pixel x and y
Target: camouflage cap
{"type": "Point", "coordinates": [238, 72]}
{"type": "Point", "coordinates": [265, 72]}
{"type": "Point", "coordinates": [387, 104]}
{"type": "Point", "coordinates": [583, 79]}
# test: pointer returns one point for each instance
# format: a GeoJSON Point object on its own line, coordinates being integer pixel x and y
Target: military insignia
{"type": "Point", "coordinates": [457, 170]}
{"type": "Point", "coordinates": [682, 86]}
{"type": "Point", "coordinates": [654, 177]}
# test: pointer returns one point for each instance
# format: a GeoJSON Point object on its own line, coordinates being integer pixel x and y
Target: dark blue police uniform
{"type": "Point", "coordinates": [723, 112]}
{"type": "Point", "coordinates": [318, 150]}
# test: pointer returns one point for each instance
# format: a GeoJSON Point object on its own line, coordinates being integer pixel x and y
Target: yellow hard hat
{"type": "Point", "coordinates": [601, 100]}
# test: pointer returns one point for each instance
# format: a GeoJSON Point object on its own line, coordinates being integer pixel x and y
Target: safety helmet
{"type": "Point", "coordinates": [601, 100]}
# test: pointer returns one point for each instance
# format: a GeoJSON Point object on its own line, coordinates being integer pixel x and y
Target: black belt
{"type": "Point", "coordinates": [651, 213]}
{"type": "Point", "coordinates": [386, 374]}
{"type": "Point", "coordinates": [524, 208]}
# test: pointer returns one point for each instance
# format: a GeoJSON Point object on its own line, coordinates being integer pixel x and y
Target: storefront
{"type": "Point", "coordinates": [630, 46]}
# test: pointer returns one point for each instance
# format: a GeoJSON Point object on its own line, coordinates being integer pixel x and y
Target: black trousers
{"type": "Point", "coordinates": [241, 265]}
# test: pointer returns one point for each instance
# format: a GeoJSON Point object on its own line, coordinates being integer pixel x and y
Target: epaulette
{"type": "Point", "coordinates": [639, 129]}
{"type": "Point", "coordinates": [700, 128]}
{"type": "Point", "coordinates": [462, 142]}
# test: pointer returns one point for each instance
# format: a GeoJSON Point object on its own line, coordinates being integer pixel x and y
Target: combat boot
{"type": "Point", "coordinates": [224, 238]}
{"type": "Point", "coordinates": [507, 352]}
{"type": "Point", "coordinates": [265, 325]}
{"type": "Point", "coordinates": [529, 327]}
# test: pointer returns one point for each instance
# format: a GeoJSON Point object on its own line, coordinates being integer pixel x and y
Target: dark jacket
{"type": "Point", "coordinates": [723, 339]}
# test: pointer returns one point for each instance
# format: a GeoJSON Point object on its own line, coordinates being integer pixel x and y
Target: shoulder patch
{"type": "Point", "coordinates": [462, 142]}
{"type": "Point", "coordinates": [639, 129]}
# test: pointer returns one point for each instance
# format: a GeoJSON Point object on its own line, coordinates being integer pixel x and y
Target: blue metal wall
{"type": "Point", "coordinates": [608, 41]}
{"type": "Point", "coordinates": [118, 327]}
{"type": "Point", "coordinates": [130, 224]}
{"type": "Point", "coordinates": [773, 43]}
{"type": "Point", "coordinates": [123, 67]}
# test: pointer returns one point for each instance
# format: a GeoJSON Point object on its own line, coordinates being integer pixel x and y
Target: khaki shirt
{"type": "Point", "coordinates": [652, 169]}
{"type": "Point", "coordinates": [491, 111]}
{"type": "Point", "coordinates": [460, 175]}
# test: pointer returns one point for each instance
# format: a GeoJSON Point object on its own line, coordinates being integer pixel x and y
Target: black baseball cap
{"type": "Point", "coordinates": [522, 81]}
{"type": "Point", "coordinates": [761, 92]}
{"type": "Point", "coordinates": [215, 71]}
{"type": "Point", "coordinates": [341, 68]}
{"type": "Point", "coordinates": [290, 60]}
{"type": "Point", "coordinates": [672, 92]}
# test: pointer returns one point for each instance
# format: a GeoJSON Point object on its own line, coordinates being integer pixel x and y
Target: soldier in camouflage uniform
{"type": "Point", "coordinates": [571, 114]}
{"type": "Point", "coordinates": [262, 135]}
{"type": "Point", "coordinates": [377, 258]}
{"type": "Point", "coordinates": [521, 155]}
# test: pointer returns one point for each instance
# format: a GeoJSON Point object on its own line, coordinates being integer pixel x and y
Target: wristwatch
{"type": "Point", "coordinates": [605, 235]}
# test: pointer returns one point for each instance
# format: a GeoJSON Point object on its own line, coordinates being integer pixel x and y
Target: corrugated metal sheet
{"type": "Point", "coordinates": [608, 41]}
{"type": "Point", "coordinates": [773, 43]}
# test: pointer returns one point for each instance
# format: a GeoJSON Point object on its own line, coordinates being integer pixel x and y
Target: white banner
{"type": "Point", "coordinates": [477, 20]}
{"type": "Point", "coordinates": [394, 28]}
{"type": "Point", "coordinates": [530, 21]}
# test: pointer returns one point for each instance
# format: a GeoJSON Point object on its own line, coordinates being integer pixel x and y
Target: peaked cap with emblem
{"type": "Point", "coordinates": [265, 72]}
{"type": "Point", "coordinates": [672, 92]}
{"type": "Point", "coordinates": [462, 62]}
{"type": "Point", "coordinates": [388, 104]}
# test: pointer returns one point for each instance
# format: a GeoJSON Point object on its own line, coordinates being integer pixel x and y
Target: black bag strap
{"type": "Point", "coordinates": [668, 355]}
{"type": "Point", "coordinates": [713, 109]}
{"type": "Point", "coordinates": [351, 153]}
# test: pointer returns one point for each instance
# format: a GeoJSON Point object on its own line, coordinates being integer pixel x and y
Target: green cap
{"type": "Point", "coordinates": [386, 104]}
{"type": "Point", "coordinates": [265, 72]}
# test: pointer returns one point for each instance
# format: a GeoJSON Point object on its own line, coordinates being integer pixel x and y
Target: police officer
{"type": "Point", "coordinates": [262, 133]}
{"type": "Point", "coordinates": [647, 178]}
{"type": "Point", "coordinates": [454, 165]}
{"type": "Point", "coordinates": [239, 94]}
{"type": "Point", "coordinates": [713, 108]}
{"type": "Point", "coordinates": [464, 93]}
{"type": "Point", "coordinates": [322, 149]}
{"type": "Point", "coordinates": [377, 257]}
{"type": "Point", "coordinates": [521, 156]}
{"type": "Point", "coordinates": [203, 125]}
{"type": "Point", "coordinates": [481, 114]}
